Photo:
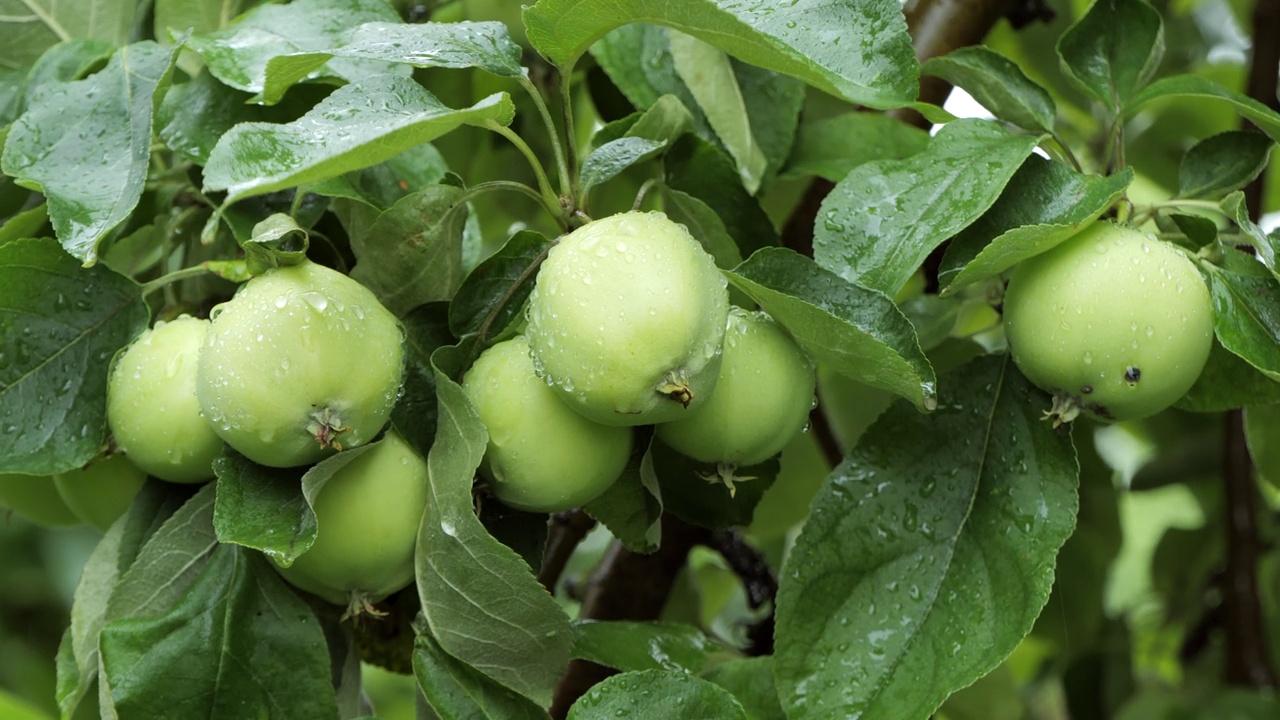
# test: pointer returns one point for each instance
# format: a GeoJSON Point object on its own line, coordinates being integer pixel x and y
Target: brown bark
{"type": "Point", "coordinates": [627, 586]}
{"type": "Point", "coordinates": [1248, 660]}
{"type": "Point", "coordinates": [1262, 79]}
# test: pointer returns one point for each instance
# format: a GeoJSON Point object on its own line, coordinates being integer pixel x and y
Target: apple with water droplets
{"type": "Point", "coordinates": [1113, 322]}
{"type": "Point", "coordinates": [302, 362]}
{"type": "Point", "coordinates": [627, 319]}
{"type": "Point", "coordinates": [367, 514]}
{"type": "Point", "coordinates": [542, 456]}
{"type": "Point", "coordinates": [762, 398]}
{"type": "Point", "coordinates": [152, 408]}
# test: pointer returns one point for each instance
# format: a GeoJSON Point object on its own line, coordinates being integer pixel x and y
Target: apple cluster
{"type": "Point", "coordinates": [302, 362]}
{"type": "Point", "coordinates": [629, 324]}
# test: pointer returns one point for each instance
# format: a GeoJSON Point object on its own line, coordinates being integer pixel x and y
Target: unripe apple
{"type": "Point", "coordinates": [626, 320]}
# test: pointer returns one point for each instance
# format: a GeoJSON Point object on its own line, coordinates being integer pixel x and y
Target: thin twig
{"type": "Point", "coordinates": [759, 581]}
{"type": "Point", "coordinates": [566, 533]}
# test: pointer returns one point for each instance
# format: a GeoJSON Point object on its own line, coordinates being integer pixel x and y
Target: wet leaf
{"type": "Point", "coordinates": [656, 693]}
{"type": "Point", "coordinates": [883, 219]}
{"type": "Point", "coordinates": [480, 601]}
{"type": "Point", "coordinates": [1222, 163]}
{"type": "Point", "coordinates": [857, 50]}
{"type": "Point", "coordinates": [858, 332]}
{"type": "Point", "coordinates": [358, 126]}
{"type": "Point", "coordinates": [1044, 204]}
{"type": "Point", "coordinates": [60, 325]}
{"type": "Point", "coordinates": [239, 54]}
{"type": "Point", "coordinates": [949, 526]}
{"type": "Point", "coordinates": [87, 144]}
{"type": "Point", "coordinates": [998, 84]}
{"type": "Point", "coordinates": [1113, 50]}
{"type": "Point", "coordinates": [239, 638]}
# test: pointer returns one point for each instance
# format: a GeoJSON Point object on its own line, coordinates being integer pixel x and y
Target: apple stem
{"type": "Point", "coordinates": [676, 387]}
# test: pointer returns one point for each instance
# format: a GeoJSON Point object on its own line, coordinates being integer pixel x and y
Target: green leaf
{"type": "Point", "coordinates": [882, 220]}
{"type": "Point", "coordinates": [751, 680]}
{"type": "Point", "coordinates": [858, 332]}
{"type": "Point", "coordinates": [1228, 161]}
{"type": "Point", "coordinates": [606, 161]}
{"type": "Point", "coordinates": [949, 524]}
{"type": "Point", "coordinates": [111, 558]}
{"type": "Point", "coordinates": [195, 114]}
{"type": "Point", "coordinates": [480, 601]}
{"type": "Point", "coordinates": [699, 169]}
{"type": "Point", "coordinates": [1260, 423]}
{"type": "Point", "coordinates": [11, 86]}
{"type": "Point", "coordinates": [709, 75]}
{"type": "Point", "coordinates": [197, 16]}
{"type": "Point", "coordinates": [656, 694]}
{"type": "Point", "coordinates": [30, 27]}
{"type": "Point", "coordinates": [1228, 382]}
{"type": "Point", "coordinates": [1045, 203]}
{"type": "Point", "coordinates": [358, 126]}
{"type": "Point", "coordinates": [832, 147]}
{"type": "Point", "coordinates": [1247, 318]}
{"type": "Point", "coordinates": [493, 295]}
{"type": "Point", "coordinates": [693, 492]}
{"type": "Point", "coordinates": [64, 63]}
{"type": "Point", "coordinates": [239, 54]}
{"type": "Point", "coordinates": [168, 563]}
{"type": "Point", "coordinates": [454, 689]}
{"type": "Point", "coordinates": [125, 577]}
{"type": "Point", "coordinates": [484, 45]}
{"type": "Point", "coordinates": [60, 325]}
{"type": "Point", "coordinates": [1267, 246]}
{"type": "Point", "coordinates": [638, 58]}
{"type": "Point", "coordinates": [238, 639]}
{"type": "Point", "coordinates": [1185, 87]}
{"type": "Point", "coordinates": [998, 84]}
{"type": "Point", "coordinates": [632, 506]}
{"type": "Point", "coordinates": [634, 646]}
{"type": "Point", "coordinates": [647, 136]}
{"type": "Point", "coordinates": [412, 253]}
{"type": "Point", "coordinates": [276, 241]}
{"type": "Point", "coordinates": [263, 508]}
{"type": "Point", "coordinates": [858, 50]}
{"type": "Point", "coordinates": [86, 145]}
{"type": "Point", "coordinates": [385, 184]}
{"type": "Point", "coordinates": [1199, 230]}
{"type": "Point", "coordinates": [426, 328]}
{"type": "Point", "coordinates": [704, 224]}
{"type": "Point", "coordinates": [25, 224]}
{"type": "Point", "coordinates": [1113, 50]}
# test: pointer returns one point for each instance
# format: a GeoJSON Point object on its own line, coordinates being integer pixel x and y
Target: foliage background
{"type": "Point", "coordinates": [1135, 628]}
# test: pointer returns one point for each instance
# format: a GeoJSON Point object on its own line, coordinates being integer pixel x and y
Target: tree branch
{"type": "Point", "coordinates": [1247, 660]}
{"type": "Point", "coordinates": [1262, 80]}
{"type": "Point", "coordinates": [759, 580]}
{"type": "Point", "coordinates": [566, 533]}
{"type": "Point", "coordinates": [628, 586]}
